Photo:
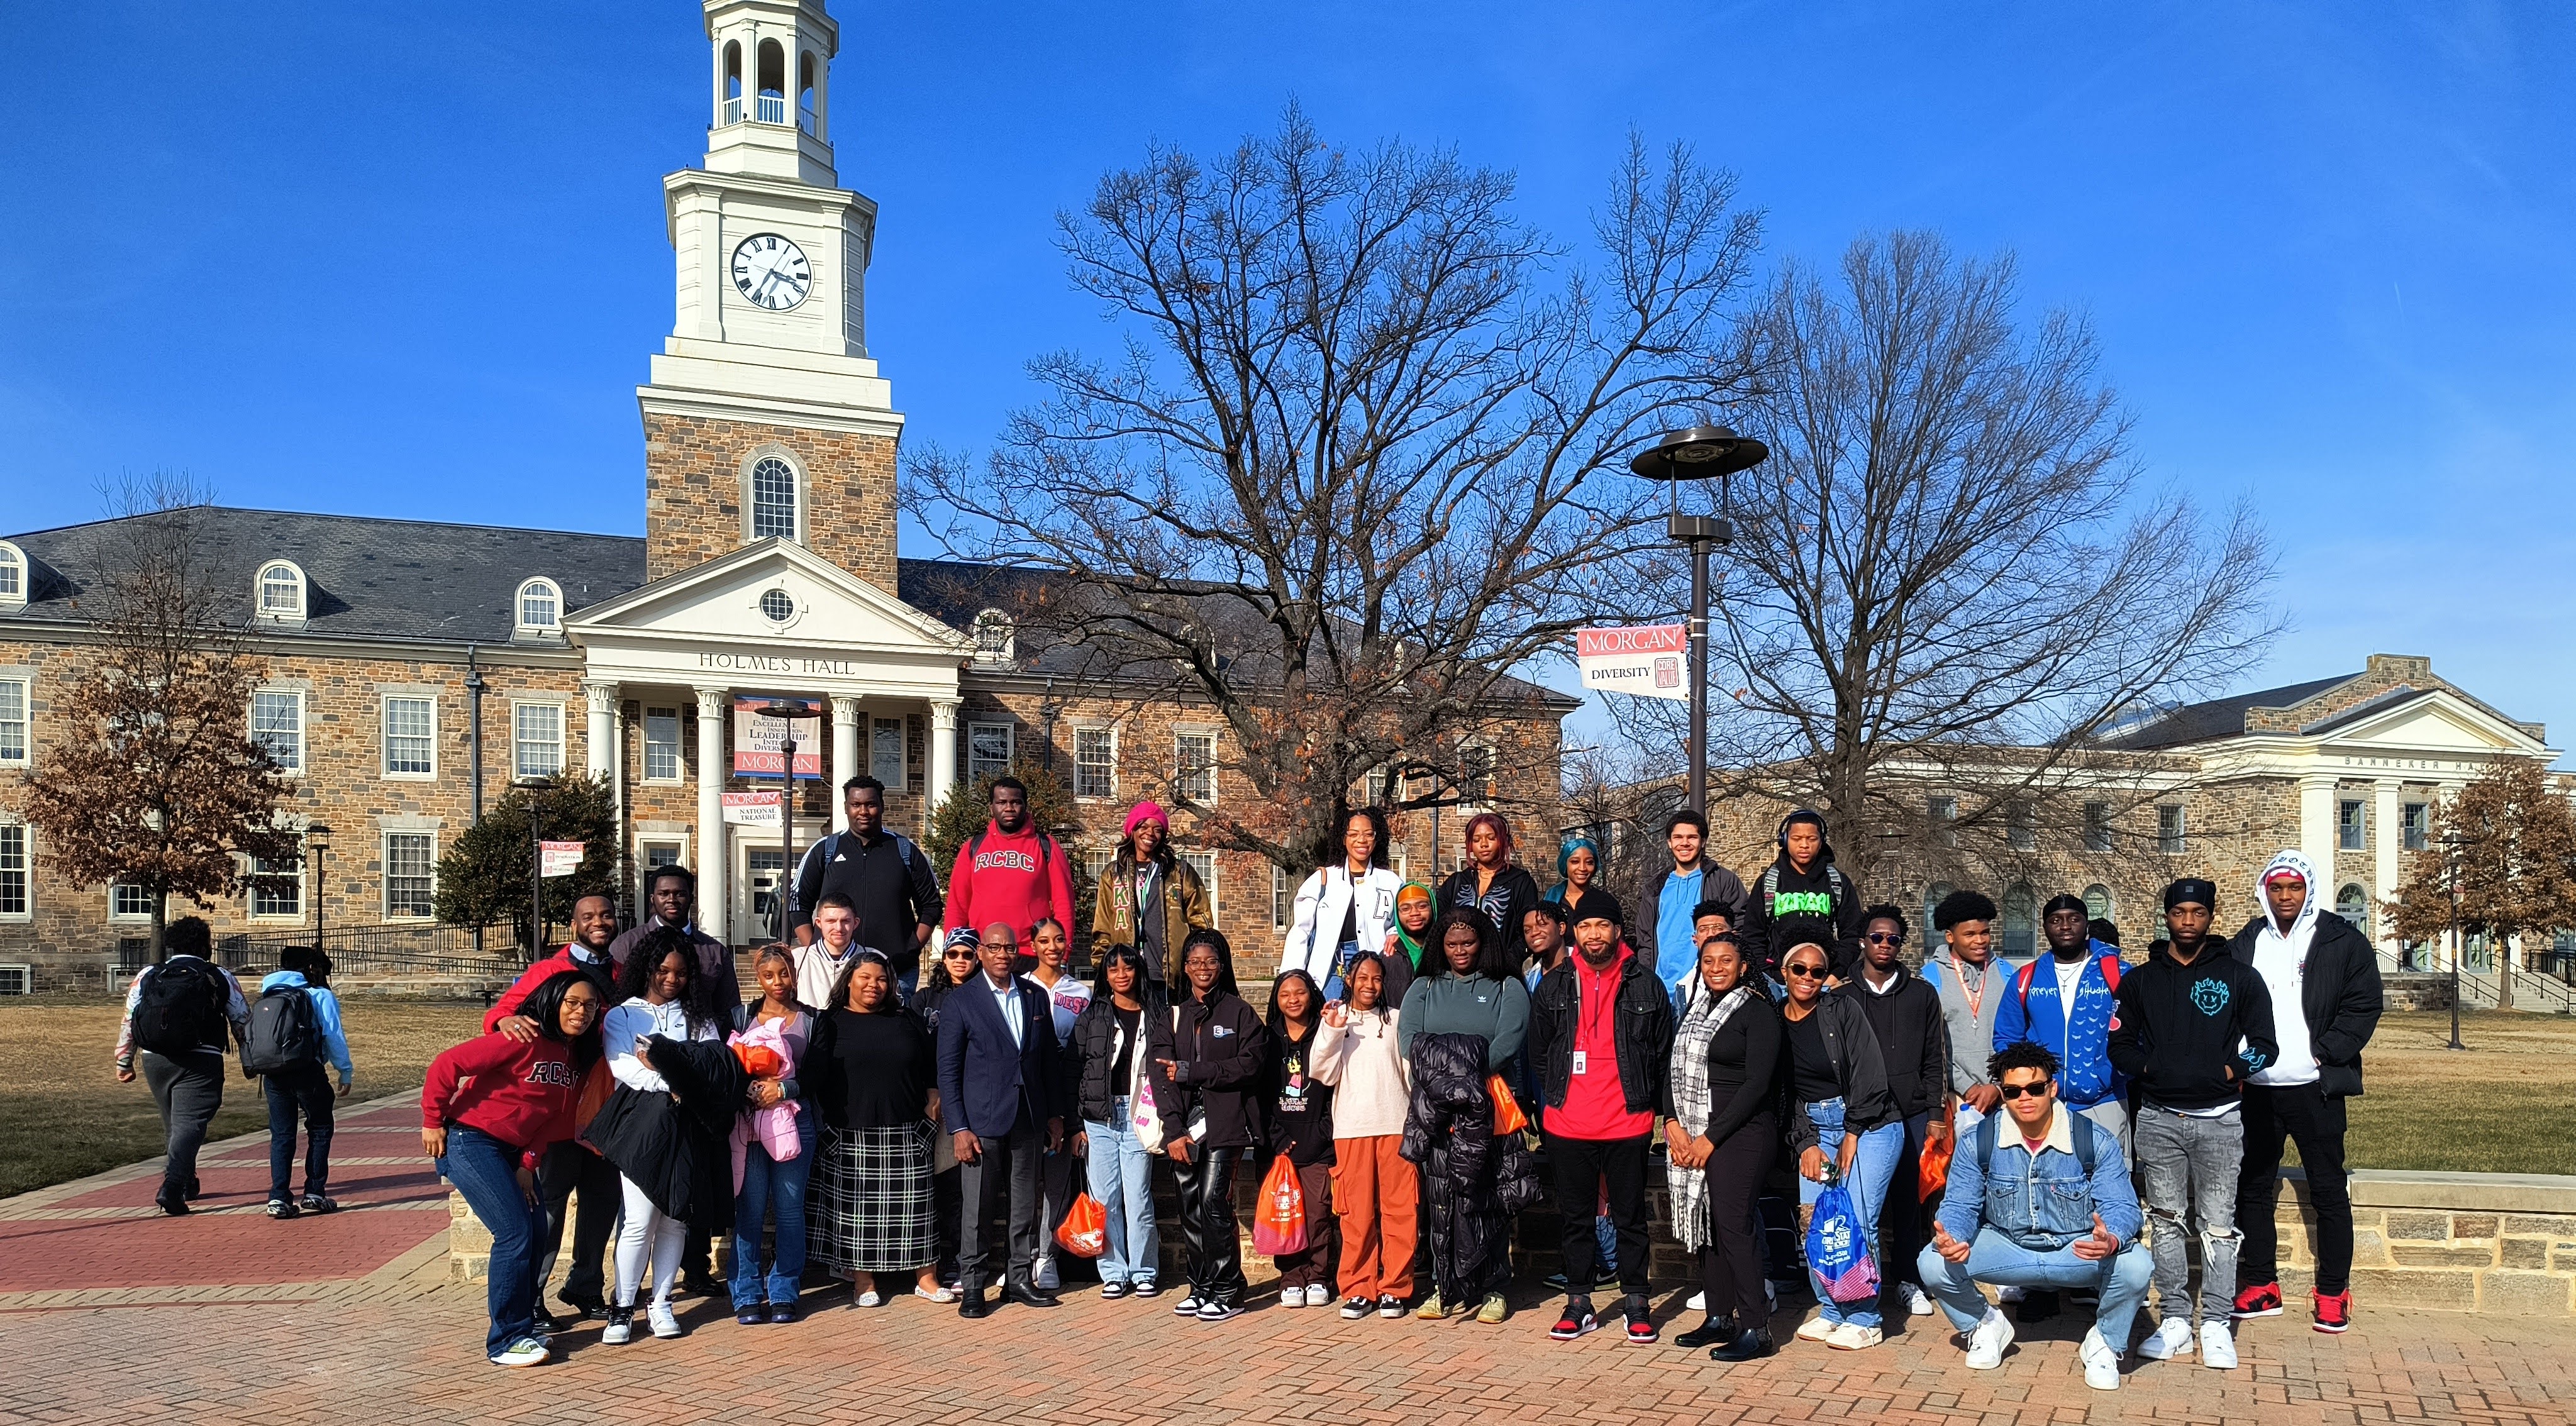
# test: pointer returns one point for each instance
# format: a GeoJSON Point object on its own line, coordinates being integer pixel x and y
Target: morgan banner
{"type": "Point", "coordinates": [1650, 661]}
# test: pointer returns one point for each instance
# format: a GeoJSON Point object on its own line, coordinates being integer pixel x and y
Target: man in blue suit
{"type": "Point", "coordinates": [1001, 1097]}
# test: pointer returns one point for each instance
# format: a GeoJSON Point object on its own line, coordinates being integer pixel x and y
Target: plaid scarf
{"type": "Point", "coordinates": [1691, 1108]}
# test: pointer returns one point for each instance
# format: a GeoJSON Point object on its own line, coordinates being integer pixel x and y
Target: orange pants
{"type": "Point", "coordinates": [1375, 1191]}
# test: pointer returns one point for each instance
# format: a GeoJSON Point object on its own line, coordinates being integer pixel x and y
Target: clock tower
{"type": "Point", "coordinates": [765, 417]}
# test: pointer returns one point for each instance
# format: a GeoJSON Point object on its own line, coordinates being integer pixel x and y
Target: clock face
{"type": "Point", "coordinates": [769, 271]}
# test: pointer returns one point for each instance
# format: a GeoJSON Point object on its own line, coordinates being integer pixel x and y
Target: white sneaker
{"type": "Point", "coordinates": [2101, 1364]}
{"type": "Point", "coordinates": [2172, 1338]}
{"type": "Point", "coordinates": [1918, 1303]}
{"type": "Point", "coordinates": [2217, 1346]}
{"type": "Point", "coordinates": [1045, 1278]}
{"type": "Point", "coordinates": [1292, 1297]}
{"type": "Point", "coordinates": [1853, 1337]}
{"type": "Point", "coordinates": [665, 1322]}
{"type": "Point", "coordinates": [1816, 1329]}
{"type": "Point", "coordinates": [620, 1329]}
{"type": "Point", "coordinates": [1987, 1340]}
{"type": "Point", "coordinates": [525, 1352]}
{"type": "Point", "coordinates": [1318, 1295]}
{"type": "Point", "coordinates": [1698, 1301]}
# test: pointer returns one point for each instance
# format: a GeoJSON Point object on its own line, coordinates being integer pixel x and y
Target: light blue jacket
{"type": "Point", "coordinates": [2041, 1202]}
{"type": "Point", "coordinates": [326, 1013]}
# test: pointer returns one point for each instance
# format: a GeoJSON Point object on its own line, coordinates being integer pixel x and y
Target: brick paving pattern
{"type": "Point", "coordinates": [225, 1316]}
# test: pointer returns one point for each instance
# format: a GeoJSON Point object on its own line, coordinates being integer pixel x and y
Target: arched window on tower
{"type": "Point", "coordinates": [807, 108]}
{"type": "Point", "coordinates": [773, 499]}
{"type": "Point", "coordinates": [732, 82]}
{"type": "Point", "coordinates": [773, 83]}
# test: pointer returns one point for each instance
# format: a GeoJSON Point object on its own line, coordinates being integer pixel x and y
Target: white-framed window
{"type": "Point", "coordinates": [15, 879]}
{"type": "Point", "coordinates": [2170, 839]}
{"type": "Point", "coordinates": [886, 760]}
{"type": "Point", "coordinates": [1478, 784]}
{"type": "Point", "coordinates": [2352, 830]}
{"type": "Point", "coordinates": [988, 749]}
{"type": "Point", "coordinates": [1373, 787]}
{"type": "Point", "coordinates": [411, 735]}
{"type": "Point", "coordinates": [1283, 897]}
{"type": "Point", "coordinates": [2021, 827]}
{"type": "Point", "coordinates": [1204, 863]}
{"type": "Point", "coordinates": [279, 593]}
{"type": "Point", "coordinates": [17, 980]}
{"type": "Point", "coordinates": [662, 745]}
{"type": "Point", "coordinates": [1194, 757]}
{"type": "Point", "coordinates": [2097, 826]}
{"type": "Point", "coordinates": [129, 903]}
{"type": "Point", "coordinates": [536, 740]}
{"type": "Point", "coordinates": [2021, 921]}
{"type": "Point", "coordinates": [2353, 904]}
{"type": "Point", "coordinates": [540, 609]}
{"type": "Point", "coordinates": [16, 746]}
{"type": "Point", "coordinates": [1943, 814]}
{"type": "Point", "coordinates": [276, 892]}
{"type": "Point", "coordinates": [772, 499]}
{"type": "Point", "coordinates": [996, 638]}
{"type": "Point", "coordinates": [411, 875]}
{"type": "Point", "coordinates": [1095, 862]}
{"type": "Point", "coordinates": [2416, 819]}
{"type": "Point", "coordinates": [277, 724]}
{"type": "Point", "coordinates": [1095, 762]}
{"type": "Point", "coordinates": [655, 852]}
{"type": "Point", "coordinates": [15, 580]}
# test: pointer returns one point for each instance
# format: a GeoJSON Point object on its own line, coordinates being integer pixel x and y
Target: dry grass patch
{"type": "Point", "coordinates": [2506, 1104]}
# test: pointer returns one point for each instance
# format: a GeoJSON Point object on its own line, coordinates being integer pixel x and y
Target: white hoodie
{"type": "Point", "coordinates": [2282, 961]}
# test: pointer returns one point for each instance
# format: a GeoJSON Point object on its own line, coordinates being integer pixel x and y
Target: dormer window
{"type": "Point", "coordinates": [540, 606]}
{"type": "Point", "coordinates": [281, 592]}
{"type": "Point", "coordinates": [14, 579]}
{"type": "Point", "coordinates": [995, 637]}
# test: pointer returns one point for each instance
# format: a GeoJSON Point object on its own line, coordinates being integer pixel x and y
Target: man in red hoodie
{"type": "Point", "coordinates": [1010, 871]}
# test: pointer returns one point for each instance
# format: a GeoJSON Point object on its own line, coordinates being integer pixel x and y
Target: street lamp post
{"type": "Point", "coordinates": [317, 840]}
{"type": "Point", "coordinates": [787, 712]}
{"type": "Point", "coordinates": [1699, 453]}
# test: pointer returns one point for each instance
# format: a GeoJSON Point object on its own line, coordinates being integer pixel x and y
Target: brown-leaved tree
{"type": "Point", "coordinates": [2514, 839]}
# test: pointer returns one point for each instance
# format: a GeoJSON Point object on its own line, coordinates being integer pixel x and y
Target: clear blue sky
{"type": "Point", "coordinates": [409, 259]}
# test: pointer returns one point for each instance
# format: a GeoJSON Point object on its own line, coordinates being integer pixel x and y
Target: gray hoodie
{"type": "Point", "coordinates": [1971, 1022]}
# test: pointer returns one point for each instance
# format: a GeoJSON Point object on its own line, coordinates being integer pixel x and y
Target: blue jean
{"type": "Point", "coordinates": [1994, 1258]}
{"type": "Point", "coordinates": [486, 1171]}
{"type": "Point", "coordinates": [303, 1089]}
{"type": "Point", "coordinates": [1873, 1163]}
{"type": "Point", "coordinates": [1122, 1178]}
{"type": "Point", "coordinates": [772, 1189]}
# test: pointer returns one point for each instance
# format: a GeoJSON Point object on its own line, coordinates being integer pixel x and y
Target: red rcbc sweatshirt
{"type": "Point", "coordinates": [1015, 877]}
{"type": "Point", "coordinates": [522, 1095]}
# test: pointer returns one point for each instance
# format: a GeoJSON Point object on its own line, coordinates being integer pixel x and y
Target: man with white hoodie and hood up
{"type": "Point", "coordinates": [2323, 978]}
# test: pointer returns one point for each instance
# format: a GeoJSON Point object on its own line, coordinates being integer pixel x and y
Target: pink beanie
{"type": "Point", "coordinates": [1145, 811]}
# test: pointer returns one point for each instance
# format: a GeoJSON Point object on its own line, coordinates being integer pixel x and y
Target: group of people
{"type": "Point", "coordinates": [1430, 1062]}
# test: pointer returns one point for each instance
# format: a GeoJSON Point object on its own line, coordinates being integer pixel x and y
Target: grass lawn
{"type": "Point", "coordinates": [63, 1115]}
{"type": "Point", "coordinates": [2506, 1104]}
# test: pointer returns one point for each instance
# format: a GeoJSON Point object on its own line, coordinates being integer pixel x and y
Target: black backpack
{"type": "Point", "coordinates": [181, 1009]}
{"type": "Point", "coordinates": [284, 1032]}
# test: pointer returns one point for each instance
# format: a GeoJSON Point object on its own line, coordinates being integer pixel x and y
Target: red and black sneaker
{"type": "Point", "coordinates": [2334, 1311]}
{"type": "Point", "coordinates": [2261, 1300]}
{"type": "Point", "coordinates": [1578, 1319]}
{"type": "Point", "coordinates": [1641, 1325]}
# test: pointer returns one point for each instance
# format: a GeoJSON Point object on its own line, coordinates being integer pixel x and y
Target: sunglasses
{"type": "Point", "coordinates": [1883, 938]}
{"type": "Point", "coordinates": [1804, 972]}
{"type": "Point", "coordinates": [957, 953]}
{"type": "Point", "coordinates": [2024, 1091]}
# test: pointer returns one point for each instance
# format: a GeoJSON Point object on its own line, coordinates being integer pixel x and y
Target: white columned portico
{"type": "Point", "coordinates": [2317, 830]}
{"type": "Point", "coordinates": [943, 753]}
{"type": "Point", "coordinates": [713, 909]}
{"type": "Point", "coordinates": [2386, 837]}
{"type": "Point", "coordinates": [601, 698]}
{"type": "Point", "coordinates": [846, 761]}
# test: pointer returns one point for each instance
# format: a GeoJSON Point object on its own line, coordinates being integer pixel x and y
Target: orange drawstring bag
{"type": "Point", "coordinates": [1085, 1229]}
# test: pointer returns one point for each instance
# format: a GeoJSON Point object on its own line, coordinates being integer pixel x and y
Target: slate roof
{"type": "Point", "coordinates": [2220, 717]}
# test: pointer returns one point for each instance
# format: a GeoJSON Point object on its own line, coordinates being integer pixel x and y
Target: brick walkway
{"type": "Point", "coordinates": [110, 1314]}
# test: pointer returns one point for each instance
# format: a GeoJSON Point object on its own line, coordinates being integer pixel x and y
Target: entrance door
{"type": "Point", "coordinates": [755, 919]}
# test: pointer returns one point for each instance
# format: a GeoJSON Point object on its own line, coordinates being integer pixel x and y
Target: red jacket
{"type": "Point", "coordinates": [1014, 877]}
{"type": "Point", "coordinates": [602, 973]}
{"type": "Point", "coordinates": [522, 1095]}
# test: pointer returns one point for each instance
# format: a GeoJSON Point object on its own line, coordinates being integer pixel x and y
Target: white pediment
{"type": "Point", "coordinates": [772, 614]}
{"type": "Point", "coordinates": [2434, 722]}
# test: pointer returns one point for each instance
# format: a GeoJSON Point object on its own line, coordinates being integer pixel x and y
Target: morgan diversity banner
{"type": "Point", "coordinates": [1650, 661]}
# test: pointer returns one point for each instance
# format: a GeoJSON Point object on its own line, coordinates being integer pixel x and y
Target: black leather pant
{"type": "Point", "coordinates": [1209, 1234]}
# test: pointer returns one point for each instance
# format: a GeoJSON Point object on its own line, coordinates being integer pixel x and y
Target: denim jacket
{"type": "Point", "coordinates": [2045, 1202]}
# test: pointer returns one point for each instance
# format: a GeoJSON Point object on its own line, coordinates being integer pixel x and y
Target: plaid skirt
{"type": "Point", "coordinates": [868, 1209]}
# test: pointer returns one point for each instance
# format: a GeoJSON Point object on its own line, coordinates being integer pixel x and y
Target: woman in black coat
{"type": "Point", "coordinates": [1492, 883]}
{"type": "Point", "coordinates": [1207, 1063]}
{"type": "Point", "coordinates": [1722, 1133]}
{"type": "Point", "coordinates": [1843, 1124]}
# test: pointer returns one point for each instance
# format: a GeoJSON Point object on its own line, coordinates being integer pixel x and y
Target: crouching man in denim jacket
{"type": "Point", "coordinates": [2038, 1197]}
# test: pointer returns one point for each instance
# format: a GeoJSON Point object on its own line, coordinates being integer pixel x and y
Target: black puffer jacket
{"type": "Point", "coordinates": [1476, 1179]}
{"type": "Point", "coordinates": [1095, 1049]}
{"type": "Point", "coordinates": [1218, 1046]}
{"type": "Point", "coordinates": [2339, 996]}
{"type": "Point", "coordinates": [673, 1144]}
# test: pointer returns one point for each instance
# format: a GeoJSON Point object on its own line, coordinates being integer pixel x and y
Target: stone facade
{"type": "Point", "coordinates": [696, 471]}
{"type": "Point", "coordinates": [2500, 1243]}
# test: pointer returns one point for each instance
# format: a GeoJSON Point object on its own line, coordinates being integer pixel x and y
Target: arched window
{"type": "Point", "coordinates": [2021, 918]}
{"type": "Point", "coordinates": [14, 579]}
{"type": "Point", "coordinates": [2353, 904]}
{"type": "Point", "coordinates": [995, 638]}
{"type": "Point", "coordinates": [280, 593]}
{"type": "Point", "coordinates": [773, 499]}
{"type": "Point", "coordinates": [540, 606]}
{"type": "Point", "coordinates": [2097, 902]}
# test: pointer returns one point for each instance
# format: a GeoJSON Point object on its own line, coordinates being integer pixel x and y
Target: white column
{"type": "Point", "coordinates": [2317, 831]}
{"type": "Point", "coordinates": [943, 755]}
{"type": "Point", "coordinates": [847, 760]}
{"type": "Point", "coordinates": [601, 696]}
{"type": "Point", "coordinates": [2386, 838]}
{"type": "Point", "coordinates": [714, 911]}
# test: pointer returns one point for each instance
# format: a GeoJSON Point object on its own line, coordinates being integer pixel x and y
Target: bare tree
{"type": "Point", "coordinates": [1356, 460]}
{"type": "Point", "coordinates": [2514, 839]}
{"type": "Point", "coordinates": [157, 782]}
{"type": "Point", "coordinates": [1948, 576]}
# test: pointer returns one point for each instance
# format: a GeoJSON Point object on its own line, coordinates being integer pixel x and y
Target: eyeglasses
{"type": "Point", "coordinates": [1804, 972]}
{"type": "Point", "coordinates": [1883, 938]}
{"type": "Point", "coordinates": [957, 953]}
{"type": "Point", "coordinates": [2024, 1091]}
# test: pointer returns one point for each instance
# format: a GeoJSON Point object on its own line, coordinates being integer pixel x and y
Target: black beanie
{"type": "Point", "coordinates": [2065, 902]}
{"type": "Point", "coordinates": [2194, 889]}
